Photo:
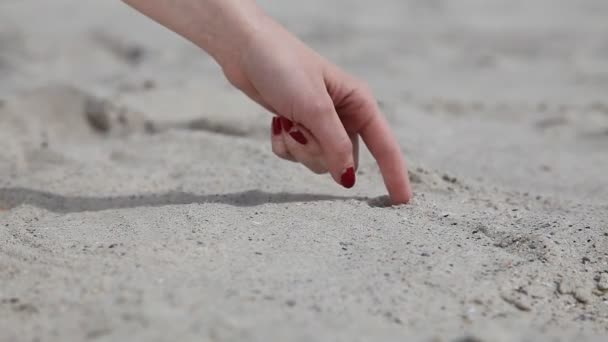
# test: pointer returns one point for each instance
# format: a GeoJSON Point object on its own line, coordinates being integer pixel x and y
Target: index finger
{"type": "Point", "coordinates": [382, 144]}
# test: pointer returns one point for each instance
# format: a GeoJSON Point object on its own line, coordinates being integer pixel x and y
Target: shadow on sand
{"type": "Point", "coordinates": [13, 197]}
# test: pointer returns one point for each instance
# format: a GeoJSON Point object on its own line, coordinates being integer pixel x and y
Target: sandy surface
{"type": "Point", "coordinates": [140, 201]}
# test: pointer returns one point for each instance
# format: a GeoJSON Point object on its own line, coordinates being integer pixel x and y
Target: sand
{"type": "Point", "coordinates": [140, 200]}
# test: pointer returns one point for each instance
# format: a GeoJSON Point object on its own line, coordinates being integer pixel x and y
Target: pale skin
{"type": "Point", "coordinates": [320, 110]}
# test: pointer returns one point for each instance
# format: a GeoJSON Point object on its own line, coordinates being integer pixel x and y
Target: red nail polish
{"type": "Point", "coordinates": [348, 178]}
{"type": "Point", "coordinates": [299, 137]}
{"type": "Point", "coordinates": [286, 123]}
{"type": "Point", "coordinates": [276, 126]}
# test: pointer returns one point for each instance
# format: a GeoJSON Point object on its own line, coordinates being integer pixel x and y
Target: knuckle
{"type": "Point", "coordinates": [319, 107]}
{"type": "Point", "coordinates": [364, 89]}
{"type": "Point", "coordinates": [317, 168]}
{"type": "Point", "coordinates": [343, 148]}
{"type": "Point", "coordinates": [367, 95]}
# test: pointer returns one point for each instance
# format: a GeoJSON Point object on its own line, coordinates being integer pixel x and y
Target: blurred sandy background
{"type": "Point", "coordinates": [139, 198]}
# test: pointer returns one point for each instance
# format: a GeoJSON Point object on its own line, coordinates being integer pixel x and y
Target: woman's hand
{"type": "Point", "coordinates": [320, 110]}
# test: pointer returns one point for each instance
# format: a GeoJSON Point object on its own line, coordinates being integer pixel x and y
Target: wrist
{"type": "Point", "coordinates": [223, 28]}
{"type": "Point", "coordinates": [233, 35]}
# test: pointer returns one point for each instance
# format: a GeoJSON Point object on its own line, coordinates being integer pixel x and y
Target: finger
{"type": "Point", "coordinates": [384, 147]}
{"type": "Point", "coordinates": [321, 118]}
{"type": "Point", "coordinates": [302, 145]}
{"type": "Point", "coordinates": [278, 144]}
{"type": "Point", "coordinates": [354, 139]}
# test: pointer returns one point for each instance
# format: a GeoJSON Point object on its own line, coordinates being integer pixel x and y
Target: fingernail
{"type": "Point", "coordinates": [299, 137]}
{"type": "Point", "coordinates": [286, 123]}
{"type": "Point", "coordinates": [276, 126]}
{"type": "Point", "coordinates": [348, 178]}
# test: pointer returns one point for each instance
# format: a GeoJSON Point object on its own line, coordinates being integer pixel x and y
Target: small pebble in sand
{"type": "Point", "coordinates": [577, 291]}
{"type": "Point", "coordinates": [96, 113]}
{"type": "Point", "coordinates": [469, 339]}
{"type": "Point", "coordinates": [519, 301]}
{"type": "Point", "coordinates": [449, 179]}
{"type": "Point", "coordinates": [148, 84]}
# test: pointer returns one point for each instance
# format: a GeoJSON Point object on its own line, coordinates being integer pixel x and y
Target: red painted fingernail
{"type": "Point", "coordinates": [299, 137]}
{"type": "Point", "coordinates": [276, 126]}
{"type": "Point", "coordinates": [286, 123]}
{"type": "Point", "coordinates": [348, 178]}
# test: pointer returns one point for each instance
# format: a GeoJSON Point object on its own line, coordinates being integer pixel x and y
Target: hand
{"type": "Point", "coordinates": [321, 110]}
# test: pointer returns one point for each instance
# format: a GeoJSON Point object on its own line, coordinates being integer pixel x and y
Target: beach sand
{"type": "Point", "coordinates": [140, 200]}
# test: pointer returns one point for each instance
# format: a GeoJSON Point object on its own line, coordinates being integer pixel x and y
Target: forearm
{"type": "Point", "coordinates": [220, 27]}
